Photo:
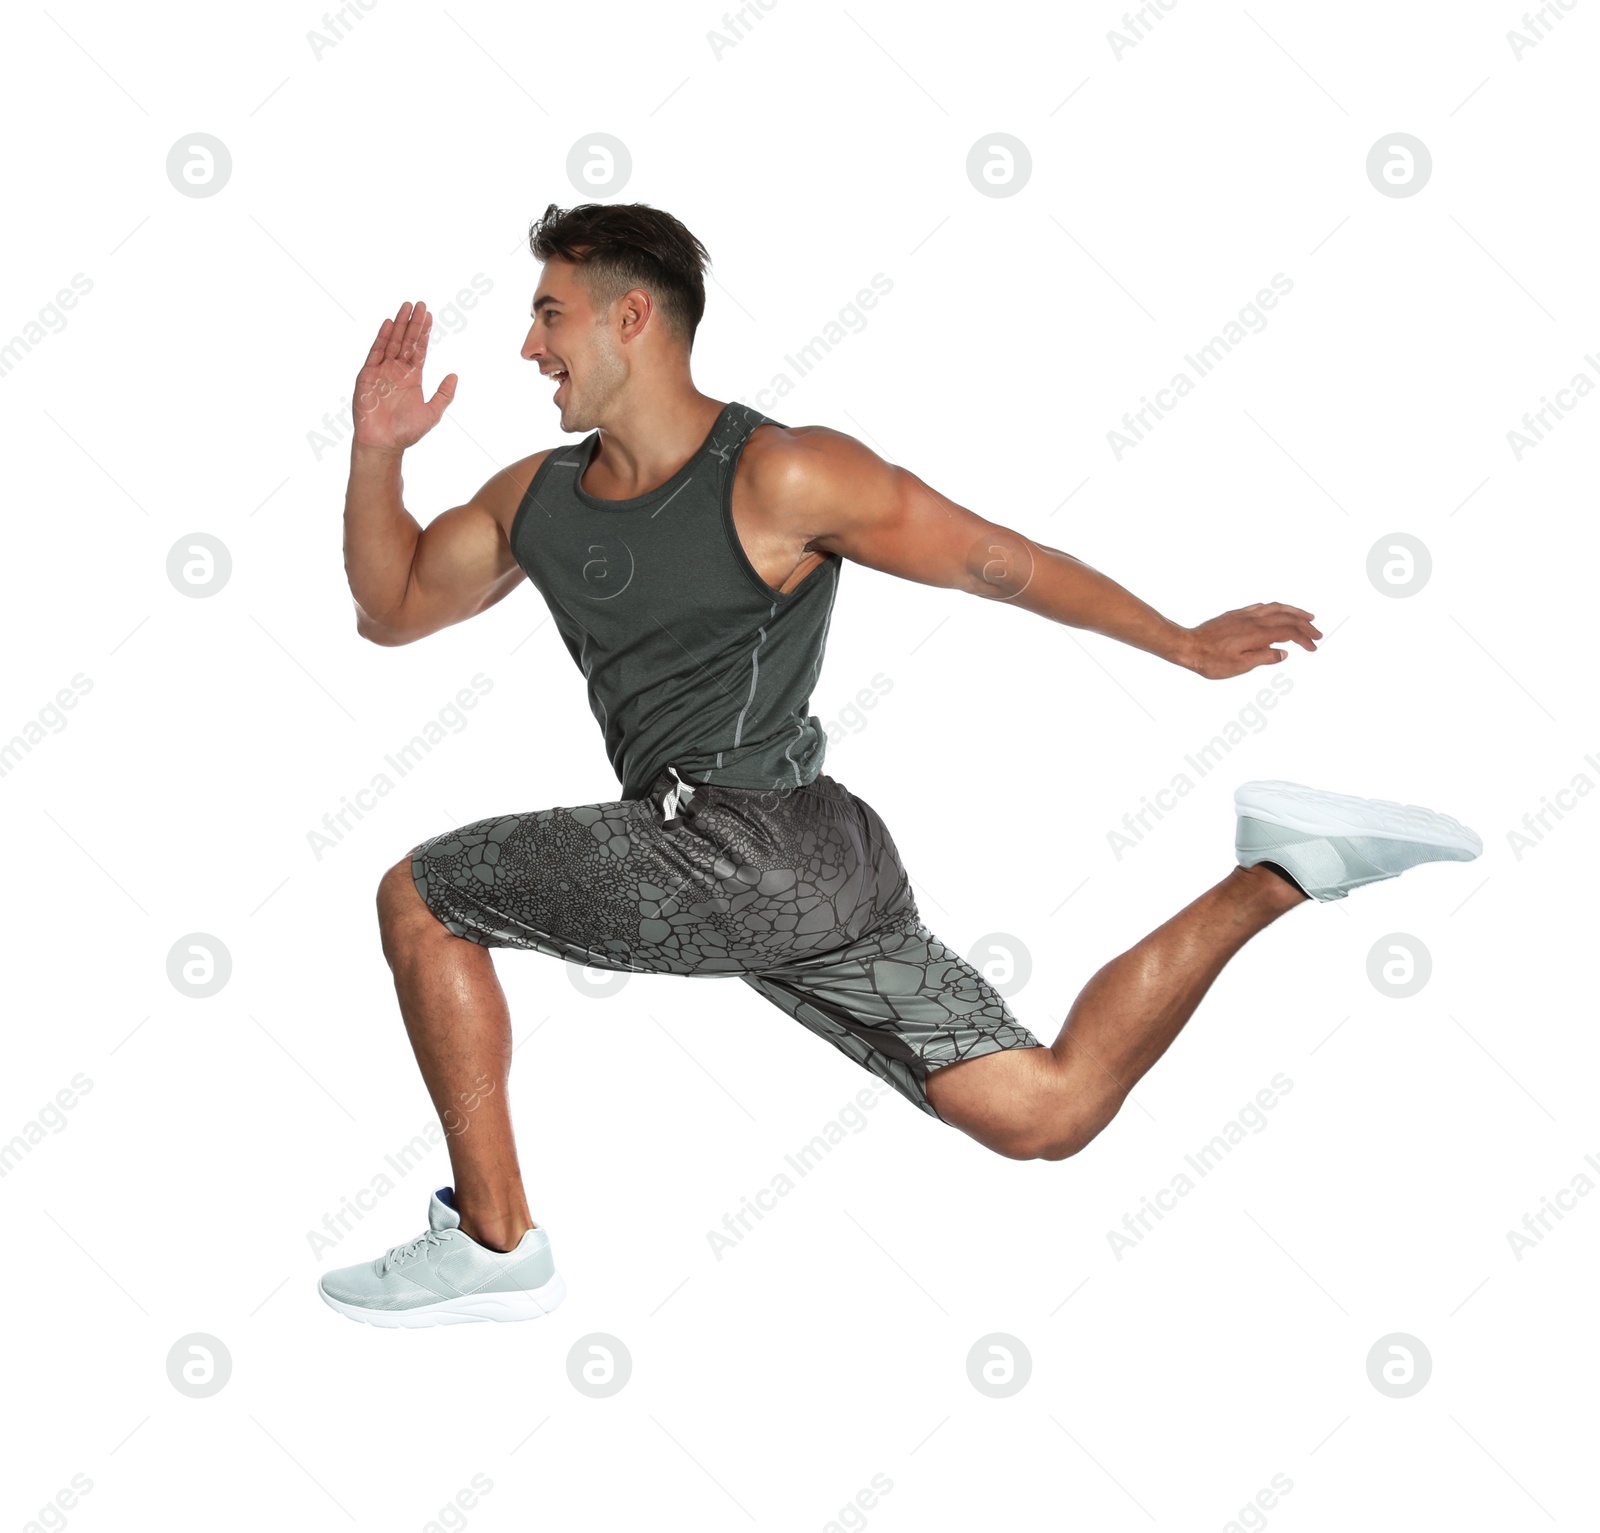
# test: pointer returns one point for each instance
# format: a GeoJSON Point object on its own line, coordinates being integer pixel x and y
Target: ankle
{"type": "Point", "coordinates": [1272, 886]}
{"type": "Point", "coordinates": [497, 1221]}
{"type": "Point", "coordinates": [502, 1234]}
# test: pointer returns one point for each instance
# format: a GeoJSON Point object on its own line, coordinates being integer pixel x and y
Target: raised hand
{"type": "Point", "coordinates": [388, 405]}
{"type": "Point", "coordinates": [1241, 640]}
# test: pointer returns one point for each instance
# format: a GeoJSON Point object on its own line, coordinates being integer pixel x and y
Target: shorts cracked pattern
{"type": "Point", "coordinates": [799, 892]}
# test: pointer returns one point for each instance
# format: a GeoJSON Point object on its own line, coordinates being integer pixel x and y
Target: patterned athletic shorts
{"type": "Point", "coordinates": [799, 892]}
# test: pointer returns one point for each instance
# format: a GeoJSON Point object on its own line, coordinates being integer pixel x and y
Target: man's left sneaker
{"type": "Point", "coordinates": [1331, 843]}
{"type": "Point", "coordinates": [444, 1277]}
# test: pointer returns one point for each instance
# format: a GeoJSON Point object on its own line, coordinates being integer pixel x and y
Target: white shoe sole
{"type": "Point", "coordinates": [1319, 813]}
{"type": "Point", "coordinates": [522, 1304]}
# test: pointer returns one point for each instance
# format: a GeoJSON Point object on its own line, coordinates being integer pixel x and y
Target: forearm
{"type": "Point", "coordinates": [380, 535]}
{"type": "Point", "coordinates": [1058, 586]}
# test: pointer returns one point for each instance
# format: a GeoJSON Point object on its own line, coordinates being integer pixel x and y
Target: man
{"type": "Point", "coordinates": [689, 551]}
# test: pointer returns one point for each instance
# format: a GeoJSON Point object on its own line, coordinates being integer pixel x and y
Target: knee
{"type": "Point", "coordinates": [399, 904]}
{"type": "Point", "coordinates": [1050, 1139]}
{"type": "Point", "coordinates": [1058, 1147]}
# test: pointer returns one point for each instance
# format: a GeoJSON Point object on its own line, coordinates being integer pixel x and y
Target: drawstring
{"type": "Point", "coordinates": [677, 796]}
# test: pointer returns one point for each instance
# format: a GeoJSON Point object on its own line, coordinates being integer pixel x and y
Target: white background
{"type": "Point", "coordinates": [1168, 186]}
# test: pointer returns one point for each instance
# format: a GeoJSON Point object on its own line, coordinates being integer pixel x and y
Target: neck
{"type": "Point", "coordinates": [653, 437]}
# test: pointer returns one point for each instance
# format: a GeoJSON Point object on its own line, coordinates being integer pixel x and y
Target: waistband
{"type": "Point", "coordinates": [671, 791]}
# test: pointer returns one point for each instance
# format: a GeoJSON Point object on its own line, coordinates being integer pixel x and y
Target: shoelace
{"type": "Point", "coordinates": [403, 1252]}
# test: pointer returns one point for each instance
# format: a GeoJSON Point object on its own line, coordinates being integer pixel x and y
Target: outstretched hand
{"type": "Point", "coordinates": [1241, 640]}
{"type": "Point", "coordinates": [389, 408]}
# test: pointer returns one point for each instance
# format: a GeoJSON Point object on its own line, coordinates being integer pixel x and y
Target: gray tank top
{"type": "Point", "coordinates": [692, 660]}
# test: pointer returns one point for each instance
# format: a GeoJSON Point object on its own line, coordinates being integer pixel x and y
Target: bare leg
{"type": "Point", "coordinates": [1049, 1103]}
{"type": "Point", "coordinates": [460, 1028]}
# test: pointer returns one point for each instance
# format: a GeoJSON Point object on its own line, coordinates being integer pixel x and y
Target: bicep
{"type": "Point", "coordinates": [885, 517]}
{"type": "Point", "coordinates": [463, 562]}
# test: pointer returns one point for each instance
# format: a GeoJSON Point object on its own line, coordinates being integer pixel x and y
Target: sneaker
{"type": "Point", "coordinates": [1331, 843]}
{"type": "Point", "coordinates": [444, 1277]}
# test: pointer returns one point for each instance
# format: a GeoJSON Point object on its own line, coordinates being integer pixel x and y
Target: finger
{"type": "Point", "coordinates": [397, 332]}
{"type": "Point", "coordinates": [1297, 633]}
{"type": "Point", "coordinates": [408, 348]}
{"type": "Point", "coordinates": [443, 395]}
{"type": "Point", "coordinates": [1273, 625]}
{"type": "Point", "coordinates": [375, 356]}
{"type": "Point", "coordinates": [422, 337]}
{"type": "Point", "coordinates": [1300, 618]}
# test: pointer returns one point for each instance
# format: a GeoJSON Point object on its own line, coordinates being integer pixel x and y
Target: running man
{"type": "Point", "coordinates": [689, 551]}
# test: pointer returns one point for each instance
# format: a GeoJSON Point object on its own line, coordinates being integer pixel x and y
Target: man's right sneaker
{"type": "Point", "coordinates": [444, 1277]}
{"type": "Point", "coordinates": [1331, 843]}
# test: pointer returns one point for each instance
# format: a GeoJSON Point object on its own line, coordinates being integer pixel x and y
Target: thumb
{"type": "Point", "coordinates": [443, 395]}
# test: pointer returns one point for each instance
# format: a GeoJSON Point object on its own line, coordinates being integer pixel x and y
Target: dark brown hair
{"type": "Point", "coordinates": [617, 246]}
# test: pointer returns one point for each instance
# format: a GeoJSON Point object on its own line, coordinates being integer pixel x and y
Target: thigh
{"type": "Point", "coordinates": [900, 1004]}
{"type": "Point", "coordinates": [580, 882]}
{"type": "Point", "coordinates": [737, 881]}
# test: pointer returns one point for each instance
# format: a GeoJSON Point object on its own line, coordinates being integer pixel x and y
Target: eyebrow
{"type": "Point", "coordinates": [541, 301]}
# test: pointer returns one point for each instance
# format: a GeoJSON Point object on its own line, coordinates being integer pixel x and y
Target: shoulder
{"type": "Point", "coordinates": [503, 493]}
{"type": "Point", "coordinates": [807, 465]}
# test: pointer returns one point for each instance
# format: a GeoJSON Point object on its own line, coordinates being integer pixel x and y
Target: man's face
{"type": "Point", "coordinates": [569, 336]}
